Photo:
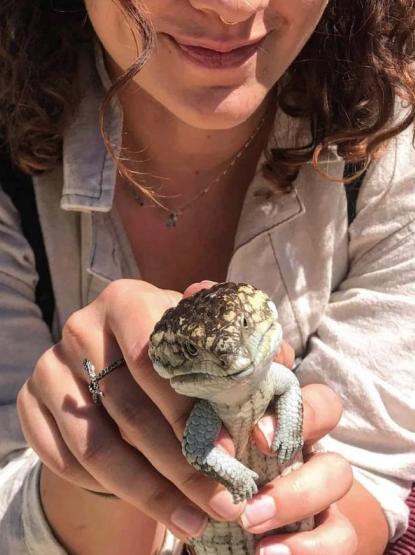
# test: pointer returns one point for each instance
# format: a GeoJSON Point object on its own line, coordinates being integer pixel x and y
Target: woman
{"type": "Point", "coordinates": [229, 122]}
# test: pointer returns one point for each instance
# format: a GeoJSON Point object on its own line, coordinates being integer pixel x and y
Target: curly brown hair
{"type": "Point", "coordinates": [345, 81]}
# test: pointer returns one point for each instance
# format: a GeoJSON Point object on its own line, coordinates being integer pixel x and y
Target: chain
{"type": "Point", "coordinates": [174, 215]}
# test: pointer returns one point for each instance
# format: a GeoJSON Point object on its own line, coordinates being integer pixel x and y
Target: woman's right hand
{"type": "Point", "coordinates": [130, 446]}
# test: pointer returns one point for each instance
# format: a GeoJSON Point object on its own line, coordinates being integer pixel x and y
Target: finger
{"type": "Point", "coordinates": [42, 434]}
{"type": "Point", "coordinates": [119, 324]}
{"type": "Point", "coordinates": [334, 535]}
{"type": "Point", "coordinates": [94, 440]}
{"type": "Point", "coordinates": [131, 337]}
{"type": "Point", "coordinates": [304, 492]}
{"type": "Point", "coordinates": [141, 420]}
{"type": "Point", "coordinates": [322, 412]}
{"type": "Point", "coordinates": [147, 429]}
{"type": "Point", "coordinates": [286, 355]}
{"type": "Point", "coordinates": [196, 287]}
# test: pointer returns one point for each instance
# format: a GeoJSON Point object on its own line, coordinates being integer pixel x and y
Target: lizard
{"type": "Point", "coordinates": [218, 347]}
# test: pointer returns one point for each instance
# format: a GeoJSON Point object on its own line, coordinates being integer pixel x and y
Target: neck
{"type": "Point", "coordinates": [168, 147]}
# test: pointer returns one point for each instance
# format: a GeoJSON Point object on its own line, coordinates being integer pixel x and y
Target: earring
{"type": "Point", "coordinates": [67, 6]}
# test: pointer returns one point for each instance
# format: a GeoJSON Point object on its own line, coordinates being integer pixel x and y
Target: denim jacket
{"type": "Point", "coordinates": [345, 296]}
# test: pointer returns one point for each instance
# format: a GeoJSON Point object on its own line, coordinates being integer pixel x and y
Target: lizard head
{"type": "Point", "coordinates": [216, 340]}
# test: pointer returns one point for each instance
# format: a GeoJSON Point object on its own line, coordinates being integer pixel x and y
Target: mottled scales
{"type": "Point", "coordinates": [218, 347]}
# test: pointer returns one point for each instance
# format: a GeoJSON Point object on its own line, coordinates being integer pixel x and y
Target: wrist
{"type": "Point", "coordinates": [88, 524]}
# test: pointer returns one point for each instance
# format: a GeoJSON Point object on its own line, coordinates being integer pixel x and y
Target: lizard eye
{"type": "Point", "coordinates": [190, 349]}
{"type": "Point", "coordinates": [245, 322]}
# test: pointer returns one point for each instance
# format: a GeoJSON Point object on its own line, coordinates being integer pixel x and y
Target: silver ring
{"type": "Point", "coordinates": [95, 378]}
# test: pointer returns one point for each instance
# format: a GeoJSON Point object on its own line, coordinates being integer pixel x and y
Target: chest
{"type": "Point", "coordinates": [198, 247]}
{"type": "Point", "coordinates": [297, 251]}
{"type": "Point", "coordinates": [240, 419]}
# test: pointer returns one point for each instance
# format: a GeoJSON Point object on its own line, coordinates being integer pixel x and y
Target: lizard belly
{"type": "Point", "coordinates": [228, 538]}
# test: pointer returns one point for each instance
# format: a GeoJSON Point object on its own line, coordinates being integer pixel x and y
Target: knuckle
{"type": "Point", "coordinates": [340, 467]}
{"type": "Point", "coordinates": [93, 451]}
{"type": "Point", "coordinates": [137, 356]}
{"type": "Point", "coordinates": [76, 329]}
{"type": "Point", "coordinates": [178, 423]}
{"type": "Point", "coordinates": [67, 467]}
{"type": "Point", "coordinates": [137, 422]}
{"type": "Point", "coordinates": [45, 369]}
{"type": "Point", "coordinates": [158, 496]}
{"type": "Point", "coordinates": [21, 400]}
{"type": "Point", "coordinates": [191, 480]}
{"type": "Point", "coordinates": [117, 291]}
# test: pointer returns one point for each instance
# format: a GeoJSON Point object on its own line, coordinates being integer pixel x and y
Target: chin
{"type": "Point", "coordinates": [219, 107]}
{"type": "Point", "coordinates": [207, 106]}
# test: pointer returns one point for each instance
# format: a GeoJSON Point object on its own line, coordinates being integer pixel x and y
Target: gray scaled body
{"type": "Point", "coordinates": [218, 347]}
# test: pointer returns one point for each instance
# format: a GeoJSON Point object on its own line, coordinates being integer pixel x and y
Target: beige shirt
{"type": "Point", "coordinates": [346, 299]}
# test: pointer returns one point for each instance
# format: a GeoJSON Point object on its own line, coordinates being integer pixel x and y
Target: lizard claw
{"type": "Point", "coordinates": [286, 447]}
{"type": "Point", "coordinates": [245, 487]}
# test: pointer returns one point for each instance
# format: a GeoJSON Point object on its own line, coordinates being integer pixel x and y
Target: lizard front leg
{"type": "Point", "coordinates": [202, 429]}
{"type": "Point", "coordinates": [289, 411]}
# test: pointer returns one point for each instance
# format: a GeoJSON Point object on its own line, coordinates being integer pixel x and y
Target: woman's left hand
{"type": "Point", "coordinates": [313, 489]}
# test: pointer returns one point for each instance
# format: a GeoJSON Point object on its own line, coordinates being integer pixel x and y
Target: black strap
{"type": "Point", "coordinates": [19, 186]}
{"type": "Point", "coordinates": [352, 189]}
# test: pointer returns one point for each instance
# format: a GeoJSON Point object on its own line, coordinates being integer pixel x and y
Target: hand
{"type": "Point", "coordinates": [313, 489]}
{"type": "Point", "coordinates": [130, 446]}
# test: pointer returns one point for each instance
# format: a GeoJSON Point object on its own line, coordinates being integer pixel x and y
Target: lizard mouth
{"type": "Point", "coordinates": [193, 377]}
{"type": "Point", "coordinates": [199, 377]}
{"type": "Point", "coordinates": [240, 374]}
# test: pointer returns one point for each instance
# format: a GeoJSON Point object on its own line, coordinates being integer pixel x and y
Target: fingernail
{"type": "Point", "coordinates": [279, 549]}
{"type": "Point", "coordinates": [266, 425]}
{"type": "Point", "coordinates": [258, 510]}
{"type": "Point", "coordinates": [190, 520]}
{"type": "Point", "coordinates": [208, 282]}
{"type": "Point", "coordinates": [222, 504]}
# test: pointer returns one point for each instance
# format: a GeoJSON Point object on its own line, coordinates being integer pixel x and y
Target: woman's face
{"type": "Point", "coordinates": [208, 97]}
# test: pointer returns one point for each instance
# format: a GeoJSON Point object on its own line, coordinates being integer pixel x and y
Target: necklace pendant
{"type": "Point", "coordinates": [171, 220]}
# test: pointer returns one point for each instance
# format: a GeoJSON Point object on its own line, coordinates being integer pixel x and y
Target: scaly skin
{"type": "Point", "coordinates": [218, 346]}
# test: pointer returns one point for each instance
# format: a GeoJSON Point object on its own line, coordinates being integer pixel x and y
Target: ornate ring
{"type": "Point", "coordinates": [95, 378]}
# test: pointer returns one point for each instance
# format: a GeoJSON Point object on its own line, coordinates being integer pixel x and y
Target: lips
{"type": "Point", "coordinates": [214, 58]}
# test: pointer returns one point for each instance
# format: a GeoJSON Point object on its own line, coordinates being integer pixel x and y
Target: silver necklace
{"type": "Point", "coordinates": [174, 215]}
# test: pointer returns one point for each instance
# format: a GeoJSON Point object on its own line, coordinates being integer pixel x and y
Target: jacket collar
{"type": "Point", "coordinates": [89, 172]}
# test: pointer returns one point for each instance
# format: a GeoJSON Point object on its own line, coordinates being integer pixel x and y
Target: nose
{"type": "Point", "coordinates": [231, 11]}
